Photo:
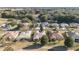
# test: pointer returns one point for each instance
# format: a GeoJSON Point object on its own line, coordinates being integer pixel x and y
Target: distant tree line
{"type": "Point", "coordinates": [42, 15]}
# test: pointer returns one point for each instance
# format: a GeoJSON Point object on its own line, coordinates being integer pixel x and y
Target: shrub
{"type": "Point", "coordinates": [69, 42]}
{"type": "Point", "coordinates": [44, 40]}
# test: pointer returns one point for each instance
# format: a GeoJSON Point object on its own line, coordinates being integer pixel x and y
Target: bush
{"type": "Point", "coordinates": [44, 40]}
{"type": "Point", "coordinates": [69, 42]}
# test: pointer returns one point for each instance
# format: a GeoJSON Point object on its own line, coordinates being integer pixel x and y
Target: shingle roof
{"type": "Point", "coordinates": [26, 35]}
{"type": "Point", "coordinates": [38, 35]}
{"type": "Point", "coordinates": [56, 36]}
{"type": "Point", "coordinates": [74, 35]}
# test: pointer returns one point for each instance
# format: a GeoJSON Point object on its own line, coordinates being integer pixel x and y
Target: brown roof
{"type": "Point", "coordinates": [56, 36]}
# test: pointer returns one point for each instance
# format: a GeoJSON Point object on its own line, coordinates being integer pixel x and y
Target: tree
{"type": "Point", "coordinates": [41, 27]}
{"type": "Point", "coordinates": [30, 17]}
{"type": "Point", "coordinates": [44, 40]}
{"type": "Point", "coordinates": [32, 34]}
{"type": "Point", "coordinates": [69, 42]}
{"type": "Point", "coordinates": [25, 20]}
{"type": "Point", "coordinates": [43, 17]}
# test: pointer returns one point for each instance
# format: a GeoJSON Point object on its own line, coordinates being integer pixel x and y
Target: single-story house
{"type": "Point", "coordinates": [16, 35]}
{"type": "Point", "coordinates": [55, 36]}
{"type": "Point", "coordinates": [74, 24]}
{"type": "Point", "coordinates": [74, 35]}
{"type": "Point", "coordinates": [55, 25]}
{"type": "Point", "coordinates": [38, 28]}
{"type": "Point", "coordinates": [3, 25]}
{"type": "Point", "coordinates": [63, 25]}
{"type": "Point", "coordinates": [13, 33]}
{"type": "Point", "coordinates": [24, 35]}
{"type": "Point", "coordinates": [44, 24]}
{"type": "Point", "coordinates": [8, 36]}
{"type": "Point", "coordinates": [38, 24]}
{"type": "Point", "coordinates": [63, 29]}
{"type": "Point", "coordinates": [38, 35]}
{"type": "Point", "coordinates": [50, 17]}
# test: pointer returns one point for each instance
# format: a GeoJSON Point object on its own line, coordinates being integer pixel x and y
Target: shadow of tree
{"type": "Point", "coordinates": [77, 49]}
{"type": "Point", "coordinates": [34, 46]}
{"type": "Point", "coordinates": [58, 48]}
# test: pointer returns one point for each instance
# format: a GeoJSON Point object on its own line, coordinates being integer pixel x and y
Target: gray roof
{"type": "Point", "coordinates": [26, 35]}
{"type": "Point", "coordinates": [73, 35]}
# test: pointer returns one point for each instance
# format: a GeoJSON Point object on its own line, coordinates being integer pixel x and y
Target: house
{"type": "Point", "coordinates": [24, 35]}
{"type": "Point", "coordinates": [63, 25]}
{"type": "Point", "coordinates": [36, 17]}
{"type": "Point", "coordinates": [50, 17]}
{"type": "Point", "coordinates": [3, 25]}
{"type": "Point", "coordinates": [74, 24]}
{"type": "Point", "coordinates": [38, 28]}
{"type": "Point", "coordinates": [55, 36]}
{"type": "Point", "coordinates": [16, 35]}
{"type": "Point", "coordinates": [8, 36]}
{"type": "Point", "coordinates": [44, 24]}
{"type": "Point", "coordinates": [55, 25]}
{"type": "Point", "coordinates": [38, 24]}
{"type": "Point", "coordinates": [13, 33]}
{"type": "Point", "coordinates": [62, 30]}
{"type": "Point", "coordinates": [74, 36]}
{"type": "Point", "coordinates": [24, 26]}
{"type": "Point", "coordinates": [38, 35]}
